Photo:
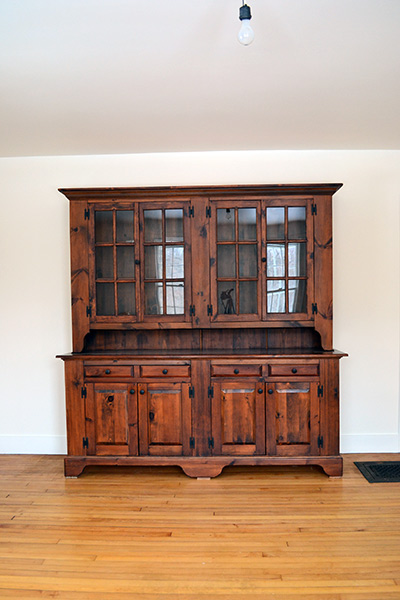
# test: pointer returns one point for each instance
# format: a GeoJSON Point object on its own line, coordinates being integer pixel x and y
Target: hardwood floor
{"type": "Point", "coordinates": [154, 534]}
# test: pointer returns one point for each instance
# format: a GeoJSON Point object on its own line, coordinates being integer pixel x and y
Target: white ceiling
{"type": "Point", "coordinates": [127, 76]}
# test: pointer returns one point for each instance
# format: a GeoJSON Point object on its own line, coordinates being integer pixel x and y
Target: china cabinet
{"type": "Point", "coordinates": [202, 328]}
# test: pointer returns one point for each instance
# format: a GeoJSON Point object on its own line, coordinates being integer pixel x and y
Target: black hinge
{"type": "Point", "coordinates": [211, 442]}
{"type": "Point", "coordinates": [209, 310]}
{"type": "Point", "coordinates": [191, 391]}
{"type": "Point", "coordinates": [192, 442]}
{"type": "Point", "coordinates": [192, 310]}
{"type": "Point", "coordinates": [320, 441]}
{"type": "Point", "coordinates": [191, 211]}
{"type": "Point", "coordinates": [85, 442]}
{"type": "Point", "coordinates": [314, 309]}
{"type": "Point", "coordinates": [313, 209]}
{"type": "Point", "coordinates": [87, 214]}
{"type": "Point", "coordinates": [320, 391]}
{"type": "Point", "coordinates": [208, 211]}
{"type": "Point", "coordinates": [89, 311]}
{"type": "Point", "coordinates": [83, 392]}
{"type": "Point", "coordinates": [211, 392]}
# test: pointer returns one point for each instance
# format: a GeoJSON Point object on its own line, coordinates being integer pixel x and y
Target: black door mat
{"type": "Point", "coordinates": [380, 472]}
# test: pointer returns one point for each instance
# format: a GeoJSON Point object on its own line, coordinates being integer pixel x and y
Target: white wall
{"type": "Point", "coordinates": [34, 277]}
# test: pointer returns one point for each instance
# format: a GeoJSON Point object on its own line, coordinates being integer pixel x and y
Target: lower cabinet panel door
{"type": "Point", "coordinates": [111, 419]}
{"type": "Point", "coordinates": [238, 417]}
{"type": "Point", "coordinates": [292, 419]}
{"type": "Point", "coordinates": [165, 419]}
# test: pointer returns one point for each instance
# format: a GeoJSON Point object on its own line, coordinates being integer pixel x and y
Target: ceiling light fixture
{"type": "Point", "coordinates": [246, 33]}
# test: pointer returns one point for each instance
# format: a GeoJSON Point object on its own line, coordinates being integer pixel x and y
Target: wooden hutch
{"type": "Point", "coordinates": [202, 328]}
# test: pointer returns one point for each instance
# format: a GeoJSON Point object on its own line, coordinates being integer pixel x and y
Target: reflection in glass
{"type": "Point", "coordinates": [247, 297]}
{"type": "Point", "coordinates": [174, 225]}
{"type": "Point", "coordinates": [126, 298]}
{"type": "Point", "coordinates": [226, 260]}
{"type": "Point", "coordinates": [276, 302]}
{"type": "Point", "coordinates": [247, 224]}
{"type": "Point", "coordinates": [297, 256]}
{"type": "Point", "coordinates": [153, 298]}
{"type": "Point", "coordinates": [125, 262]}
{"type": "Point", "coordinates": [152, 226]}
{"type": "Point", "coordinates": [103, 226]}
{"type": "Point", "coordinates": [226, 224]}
{"type": "Point", "coordinates": [124, 225]}
{"type": "Point", "coordinates": [297, 296]}
{"type": "Point", "coordinates": [105, 299]}
{"type": "Point", "coordinates": [276, 223]}
{"type": "Point", "coordinates": [297, 222]}
{"type": "Point", "coordinates": [275, 260]}
{"type": "Point", "coordinates": [226, 297]}
{"type": "Point", "coordinates": [175, 298]}
{"type": "Point", "coordinates": [248, 260]}
{"type": "Point", "coordinates": [153, 262]}
{"type": "Point", "coordinates": [174, 268]}
{"type": "Point", "coordinates": [104, 262]}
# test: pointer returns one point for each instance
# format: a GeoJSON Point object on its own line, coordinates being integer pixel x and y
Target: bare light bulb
{"type": "Point", "coordinates": [246, 33]}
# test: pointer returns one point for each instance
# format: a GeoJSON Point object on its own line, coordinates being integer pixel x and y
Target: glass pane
{"type": "Point", "coordinates": [104, 262]}
{"type": "Point", "coordinates": [124, 225]}
{"type": "Point", "coordinates": [126, 262]}
{"type": "Point", "coordinates": [276, 302]}
{"type": "Point", "coordinates": [226, 297]}
{"type": "Point", "coordinates": [226, 224]}
{"type": "Point", "coordinates": [276, 223]}
{"type": "Point", "coordinates": [174, 267]}
{"type": "Point", "coordinates": [126, 298]}
{"type": "Point", "coordinates": [153, 226]}
{"type": "Point", "coordinates": [105, 299]}
{"type": "Point", "coordinates": [103, 226]}
{"type": "Point", "coordinates": [247, 224]}
{"type": "Point", "coordinates": [175, 298]}
{"type": "Point", "coordinates": [297, 255]}
{"type": "Point", "coordinates": [226, 260]}
{"type": "Point", "coordinates": [275, 260]}
{"type": "Point", "coordinates": [174, 225]}
{"type": "Point", "coordinates": [153, 262]}
{"type": "Point", "coordinates": [153, 298]}
{"type": "Point", "coordinates": [297, 222]}
{"type": "Point", "coordinates": [247, 297]}
{"type": "Point", "coordinates": [297, 296]}
{"type": "Point", "coordinates": [248, 261]}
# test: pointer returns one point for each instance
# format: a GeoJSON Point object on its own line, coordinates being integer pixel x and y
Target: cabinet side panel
{"type": "Point", "coordinates": [329, 406]}
{"type": "Point", "coordinates": [75, 406]}
{"type": "Point", "coordinates": [323, 269]}
{"type": "Point", "coordinates": [79, 273]}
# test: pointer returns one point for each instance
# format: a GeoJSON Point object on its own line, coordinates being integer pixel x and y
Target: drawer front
{"type": "Point", "coordinates": [293, 370]}
{"type": "Point", "coordinates": [165, 371]}
{"type": "Point", "coordinates": [109, 371]}
{"type": "Point", "coordinates": [235, 370]}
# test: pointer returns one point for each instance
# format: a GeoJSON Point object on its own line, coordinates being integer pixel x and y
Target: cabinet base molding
{"type": "Point", "coordinates": [198, 467]}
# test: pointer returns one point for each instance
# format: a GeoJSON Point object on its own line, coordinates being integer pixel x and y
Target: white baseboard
{"type": "Point", "coordinates": [375, 442]}
{"type": "Point", "coordinates": [33, 444]}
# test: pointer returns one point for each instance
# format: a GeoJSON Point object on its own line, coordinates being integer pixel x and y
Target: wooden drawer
{"type": "Point", "coordinates": [293, 370]}
{"type": "Point", "coordinates": [109, 371]}
{"type": "Point", "coordinates": [165, 371]}
{"type": "Point", "coordinates": [235, 370]}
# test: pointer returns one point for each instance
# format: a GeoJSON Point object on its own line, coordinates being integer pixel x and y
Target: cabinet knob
{"type": "Point", "coordinates": [151, 416]}
{"type": "Point", "coordinates": [137, 261]}
{"type": "Point", "coordinates": [141, 392]}
{"type": "Point", "coordinates": [165, 371]}
{"type": "Point", "coordinates": [236, 371]}
{"type": "Point", "coordinates": [131, 391]}
{"type": "Point", "coordinates": [110, 399]}
{"type": "Point", "coordinates": [263, 259]}
{"type": "Point", "coordinates": [107, 371]}
{"type": "Point", "coordinates": [270, 391]}
{"type": "Point", "coordinates": [260, 390]}
{"type": "Point", "coordinates": [294, 370]}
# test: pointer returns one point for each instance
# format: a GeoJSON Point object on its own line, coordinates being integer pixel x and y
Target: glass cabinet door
{"type": "Point", "coordinates": [114, 286]}
{"type": "Point", "coordinates": [165, 271]}
{"type": "Point", "coordinates": [235, 239]}
{"type": "Point", "coordinates": [289, 271]}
